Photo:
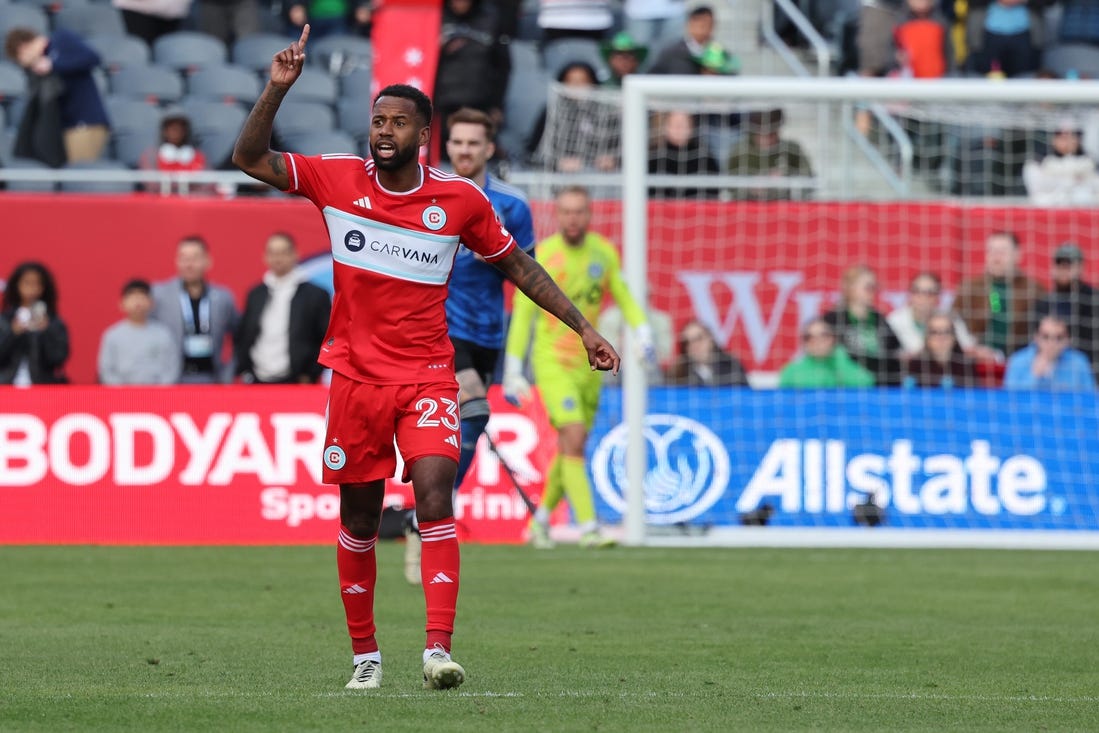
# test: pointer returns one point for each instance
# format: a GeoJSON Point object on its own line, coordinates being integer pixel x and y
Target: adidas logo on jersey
{"type": "Point", "coordinates": [364, 202]}
{"type": "Point", "coordinates": [440, 578]}
{"type": "Point", "coordinates": [452, 440]}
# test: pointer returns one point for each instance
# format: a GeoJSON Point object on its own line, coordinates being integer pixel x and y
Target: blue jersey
{"type": "Point", "coordinates": [475, 304]}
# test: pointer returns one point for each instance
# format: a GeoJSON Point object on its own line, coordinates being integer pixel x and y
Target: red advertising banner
{"type": "Point", "coordinates": [405, 38]}
{"type": "Point", "coordinates": [752, 270]}
{"type": "Point", "coordinates": [216, 465]}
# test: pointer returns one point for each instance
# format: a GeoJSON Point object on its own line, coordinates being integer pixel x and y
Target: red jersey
{"type": "Point", "coordinates": [392, 254]}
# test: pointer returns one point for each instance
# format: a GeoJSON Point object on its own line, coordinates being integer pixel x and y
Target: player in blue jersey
{"type": "Point", "coordinates": [475, 303]}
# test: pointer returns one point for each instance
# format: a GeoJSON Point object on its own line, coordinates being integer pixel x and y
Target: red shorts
{"type": "Point", "coordinates": [364, 419]}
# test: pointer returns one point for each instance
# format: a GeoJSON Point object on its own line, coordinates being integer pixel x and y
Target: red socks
{"type": "Point", "coordinates": [439, 573]}
{"type": "Point", "coordinates": [358, 570]}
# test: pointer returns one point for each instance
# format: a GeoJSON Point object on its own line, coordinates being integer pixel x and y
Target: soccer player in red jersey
{"type": "Point", "coordinates": [394, 227]}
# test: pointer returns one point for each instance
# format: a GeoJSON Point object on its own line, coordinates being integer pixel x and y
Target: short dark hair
{"type": "Point", "coordinates": [15, 40]}
{"type": "Point", "coordinates": [701, 10]}
{"type": "Point", "coordinates": [405, 91]}
{"type": "Point", "coordinates": [587, 68]}
{"type": "Point", "coordinates": [472, 116]}
{"type": "Point", "coordinates": [137, 285]}
{"type": "Point", "coordinates": [196, 239]}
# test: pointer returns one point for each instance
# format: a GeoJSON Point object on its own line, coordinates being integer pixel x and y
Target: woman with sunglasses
{"type": "Point", "coordinates": [941, 362]}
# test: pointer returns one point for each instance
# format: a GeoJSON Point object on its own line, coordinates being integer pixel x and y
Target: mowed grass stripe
{"type": "Point", "coordinates": [632, 639]}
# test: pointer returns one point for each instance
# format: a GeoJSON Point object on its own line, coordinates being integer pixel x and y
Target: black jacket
{"type": "Point", "coordinates": [309, 311]}
{"type": "Point", "coordinates": [46, 351]}
{"type": "Point", "coordinates": [883, 362]}
{"type": "Point", "coordinates": [727, 372]}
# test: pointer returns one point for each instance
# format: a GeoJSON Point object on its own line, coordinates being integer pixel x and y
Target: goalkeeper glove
{"type": "Point", "coordinates": [643, 342]}
{"type": "Point", "coordinates": [516, 386]}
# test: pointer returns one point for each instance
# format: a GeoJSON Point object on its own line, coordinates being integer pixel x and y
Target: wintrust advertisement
{"type": "Point", "coordinates": [966, 459]}
{"type": "Point", "coordinates": [214, 465]}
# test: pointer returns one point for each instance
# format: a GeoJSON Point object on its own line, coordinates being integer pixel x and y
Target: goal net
{"type": "Point", "coordinates": [794, 219]}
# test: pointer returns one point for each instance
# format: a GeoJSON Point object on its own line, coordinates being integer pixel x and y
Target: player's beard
{"type": "Point", "coordinates": [401, 157]}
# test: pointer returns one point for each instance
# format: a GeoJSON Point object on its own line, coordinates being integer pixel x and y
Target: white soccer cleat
{"type": "Point", "coordinates": [539, 536]}
{"type": "Point", "coordinates": [595, 540]}
{"type": "Point", "coordinates": [412, 549]}
{"type": "Point", "coordinates": [367, 676]}
{"type": "Point", "coordinates": [441, 672]}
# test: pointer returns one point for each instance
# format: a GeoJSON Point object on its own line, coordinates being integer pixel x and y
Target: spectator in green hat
{"type": "Point", "coordinates": [623, 56]}
{"type": "Point", "coordinates": [716, 60]}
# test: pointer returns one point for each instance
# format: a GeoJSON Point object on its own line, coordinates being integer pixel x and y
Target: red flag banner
{"type": "Point", "coordinates": [405, 36]}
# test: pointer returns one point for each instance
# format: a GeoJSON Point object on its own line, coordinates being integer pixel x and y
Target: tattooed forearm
{"type": "Point", "coordinates": [536, 283]}
{"type": "Point", "coordinates": [254, 141]}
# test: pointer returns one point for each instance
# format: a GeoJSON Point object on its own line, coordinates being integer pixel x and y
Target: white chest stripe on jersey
{"type": "Point", "coordinates": [405, 254]}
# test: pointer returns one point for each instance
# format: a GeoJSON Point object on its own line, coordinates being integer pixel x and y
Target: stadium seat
{"type": "Point", "coordinates": [151, 83]}
{"type": "Point", "coordinates": [7, 139]}
{"type": "Point", "coordinates": [228, 83]}
{"type": "Point", "coordinates": [340, 54]}
{"type": "Point", "coordinates": [93, 19]}
{"type": "Point", "coordinates": [135, 128]}
{"type": "Point", "coordinates": [357, 83]}
{"type": "Point", "coordinates": [23, 16]}
{"type": "Point", "coordinates": [30, 186]}
{"type": "Point", "coordinates": [562, 51]}
{"type": "Point", "coordinates": [188, 51]}
{"type": "Point", "coordinates": [97, 186]}
{"type": "Point", "coordinates": [13, 82]}
{"type": "Point", "coordinates": [216, 126]}
{"type": "Point", "coordinates": [296, 118]}
{"type": "Point", "coordinates": [317, 143]}
{"type": "Point", "coordinates": [256, 51]}
{"type": "Point", "coordinates": [525, 99]}
{"type": "Point", "coordinates": [1081, 58]}
{"type": "Point", "coordinates": [313, 86]}
{"type": "Point", "coordinates": [353, 114]}
{"type": "Point", "coordinates": [119, 51]}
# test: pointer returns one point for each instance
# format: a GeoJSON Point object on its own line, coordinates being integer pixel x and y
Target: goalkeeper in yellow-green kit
{"type": "Point", "coordinates": [586, 266]}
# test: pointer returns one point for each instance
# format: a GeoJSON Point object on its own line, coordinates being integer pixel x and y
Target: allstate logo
{"type": "Point", "coordinates": [434, 218]}
{"type": "Point", "coordinates": [688, 469]}
{"type": "Point", "coordinates": [334, 457]}
{"type": "Point", "coordinates": [354, 240]}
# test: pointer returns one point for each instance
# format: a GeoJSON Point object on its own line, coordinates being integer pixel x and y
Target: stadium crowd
{"type": "Point", "coordinates": [169, 92]}
{"type": "Point", "coordinates": [131, 75]}
{"type": "Point", "coordinates": [1001, 327]}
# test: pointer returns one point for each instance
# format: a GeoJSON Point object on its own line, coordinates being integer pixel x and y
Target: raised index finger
{"type": "Point", "coordinates": [304, 37]}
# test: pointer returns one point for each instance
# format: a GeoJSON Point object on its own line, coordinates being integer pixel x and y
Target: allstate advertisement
{"type": "Point", "coordinates": [971, 459]}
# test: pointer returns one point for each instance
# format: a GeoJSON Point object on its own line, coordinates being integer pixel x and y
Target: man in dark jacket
{"type": "Point", "coordinates": [1075, 301]}
{"type": "Point", "coordinates": [64, 55]}
{"type": "Point", "coordinates": [682, 57]}
{"type": "Point", "coordinates": [284, 322]}
{"type": "Point", "coordinates": [474, 63]}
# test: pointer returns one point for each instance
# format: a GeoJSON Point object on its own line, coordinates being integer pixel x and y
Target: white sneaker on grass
{"type": "Point", "coordinates": [367, 676]}
{"type": "Point", "coordinates": [539, 536]}
{"type": "Point", "coordinates": [441, 672]}
{"type": "Point", "coordinates": [595, 540]}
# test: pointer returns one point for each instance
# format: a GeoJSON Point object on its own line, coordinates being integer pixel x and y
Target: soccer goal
{"type": "Point", "coordinates": [842, 195]}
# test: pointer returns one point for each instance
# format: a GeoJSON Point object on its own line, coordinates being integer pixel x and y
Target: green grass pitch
{"type": "Point", "coordinates": [252, 639]}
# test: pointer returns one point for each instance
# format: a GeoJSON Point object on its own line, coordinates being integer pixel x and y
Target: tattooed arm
{"type": "Point", "coordinates": [533, 280]}
{"type": "Point", "coordinates": [252, 152]}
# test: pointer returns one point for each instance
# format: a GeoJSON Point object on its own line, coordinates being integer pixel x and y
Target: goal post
{"type": "Point", "coordinates": [982, 467]}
